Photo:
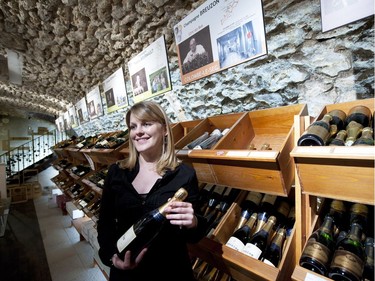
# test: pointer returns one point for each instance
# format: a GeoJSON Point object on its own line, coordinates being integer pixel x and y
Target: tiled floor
{"type": "Point", "coordinates": [69, 258]}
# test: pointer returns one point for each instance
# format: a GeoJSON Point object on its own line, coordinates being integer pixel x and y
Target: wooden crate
{"type": "Point", "coordinates": [231, 162]}
{"type": "Point", "coordinates": [201, 165]}
{"type": "Point", "coordinates": [181, 129]}
{"type": "Point", "coordinates": [345, 172]}
{"type": "Point", "coordinates": [240, 266]}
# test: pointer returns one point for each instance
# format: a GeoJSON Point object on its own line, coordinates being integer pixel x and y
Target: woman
{"type": "Point", "coordinates": [141, 183]}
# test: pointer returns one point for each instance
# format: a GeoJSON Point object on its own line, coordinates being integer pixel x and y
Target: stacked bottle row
{"type": "Point", "coordinates": [265, 224]}
{"type": "Point", "coordinates": [336, 128]}
{"type": "Point", "coordinates": [266, 221]}
{"type": "Point", "coordinates": [98, 178]}
{"type": "Point", "coordinates": [342, 248]}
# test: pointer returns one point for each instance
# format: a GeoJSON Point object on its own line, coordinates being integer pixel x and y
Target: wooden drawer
{"type": "Point", "coordinates": [231, 162]}
{"type": "Point", "coordinates": [337, 172]}
{"type": "Point", "coordinates": [240, 266]}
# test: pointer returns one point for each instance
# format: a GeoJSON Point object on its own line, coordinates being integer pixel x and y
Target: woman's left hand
{"type": "Point", "coordinates": [181, 214]}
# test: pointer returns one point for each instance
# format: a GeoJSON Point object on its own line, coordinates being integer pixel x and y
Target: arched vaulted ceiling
{"type": "Point", "coordinates": [69, 46]}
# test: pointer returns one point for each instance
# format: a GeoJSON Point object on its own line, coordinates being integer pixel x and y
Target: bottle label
{"type": "Point", "coordinates": [348, 261]}
{"type": "Point", "coordinates": [268, 262]}
{"type": "Point", "coordinates": [126, 239]}
{"type": "Point", "coordinates": [316, 251]}
{"type": "Point", "coordinates": [252, 251]}
{"type": "Point", "coordinates": [235, 243]}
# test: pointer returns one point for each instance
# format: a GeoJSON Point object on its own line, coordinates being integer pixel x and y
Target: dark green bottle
{"type": "Point", "coordinates": [368, 272]}
{"type": "Point", "coordinates": [319, 248]}
{"type": "Point", "coordinates": [349, 257]}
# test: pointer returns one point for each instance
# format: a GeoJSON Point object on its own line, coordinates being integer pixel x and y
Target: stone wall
{"type": "Point", "coordinates": [303, 65]}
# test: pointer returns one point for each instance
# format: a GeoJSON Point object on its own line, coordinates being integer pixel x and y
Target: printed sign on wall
{"type": "Point", "coordinates": [218, 35]}
{"type": "Point", "coordinates": [73, 117]}
{"type": "Point", "coordinates": [82, 113]}
{"type": "Point", "coordinates": [149, 71]}
{"type": "Point", "coordinates": [94, 103]}
{"type": "Point", "coordinates": [336, 13]}
{"type": "Point", "coordinates": [115, 91]}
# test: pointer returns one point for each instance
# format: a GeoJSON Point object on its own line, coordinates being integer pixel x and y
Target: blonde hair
{"type": "Point", "coordinates": [151, 111]}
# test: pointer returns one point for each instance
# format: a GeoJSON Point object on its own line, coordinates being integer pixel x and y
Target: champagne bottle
{"type": "Point", "coordinates": [204, 196]}
{"type": "Point", "coordinates": [240, 236]}
{"type": "Point", "coordinates": [258, 243]}
{"type": "Point", "coordinates": [317, 133]}
{"type": "Point", "coordinates": [337, 211]}
{"type": "Point", "coordinates": [340, 138]}
{"type": "Point", "coordinates": [349, 257]}
{"type": "Point", "coordinates": [318, 250]}
{"type": "Point", "coordinates": [368, 272]}
{"type": "Point", "coordinates": [266, 209]}
{"type": "Point", "coordinates": [214, 199]}
{"type": "Point", "coordinates": [245, 215]}
{"type": "Point", "coordinates": [366, 137]}
{"type": "Point", "coordinates": [229, 196]}
{"type": "Point", "coordinates": [353, 130]}
{"type": "Point", "coordinates": [272, 256]}
{"type": "Point", "coordinates": [360, 114]}
{"type": "Point", "coordinates": [359, 214]}
{"type": "Point", "coordinates": [142, 233]}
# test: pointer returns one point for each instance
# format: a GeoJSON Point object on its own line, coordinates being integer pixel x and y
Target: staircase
{"type": "Point", "coordinates": [34, 155]}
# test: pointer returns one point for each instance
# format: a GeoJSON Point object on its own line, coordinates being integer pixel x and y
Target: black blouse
{"type": "Point", "coordinates": [122, 206]}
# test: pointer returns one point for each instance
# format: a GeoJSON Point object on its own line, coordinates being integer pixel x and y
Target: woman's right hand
{"type": "Point", "coordinates": [127, 263]}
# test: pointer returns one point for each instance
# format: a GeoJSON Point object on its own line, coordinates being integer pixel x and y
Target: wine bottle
{"type": "Point", "coordinates": [338, 119]}
{"type": "Point", "coordinates": [252, 201]}
{"type": "Point", "coordinates": [214, 199]}
{"type": "Point", "coordinates": [359, 214]}
{"type": "Point", "coordinates": [266, 209]}
{"type": "Point", "coordinates": [273, 254]}
{"type": "Point", "coordinates": [245, 215]}
{"type": "Point", "coordinates": [290, 222]}
{"type": "Point", "coordinates": [240, 236]}
{"type": "Point", "coordinates": [204, 196]}
{"type": "Point", "coordinates": [214, 137]}
{"type": "Point", "coordinates": [197, 141]}
{"type": "Point", "coordinates": [317, 133]}
{"type": "Point", "coordinates": [368, 272]}
{"type": "Point", "coordinates": [337, 211]}
{"type": "Point", "coordinates": [349, 257]}
{"type": "Point", "coordinates": [282, 212]}
{"type": "Point", "coordinates": [366, 137]}
{"type": "Point", "coordinates": [360, 114]}
{"type": "Point", "coordinates": [353, 130]}
{"type": "Point", "coordinates": [258, 243]}
{"type": "Point", "coordinates": [339, 140]}
{"type": "Point", "coordinates": [142, 233]}
{"type": "Point", "coordinates": [229, 196]}
{"type": "Point", "coordinates": [318, 250]}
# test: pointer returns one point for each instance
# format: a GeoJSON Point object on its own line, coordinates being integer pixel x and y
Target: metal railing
{"type": "Point", "coordinates": [29, 153]}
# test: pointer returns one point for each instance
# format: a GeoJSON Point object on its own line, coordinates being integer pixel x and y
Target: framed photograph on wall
{"type": "Point", "coordinates": [336, 13]}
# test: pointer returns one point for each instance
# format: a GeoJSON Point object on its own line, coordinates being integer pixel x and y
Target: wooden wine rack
{"type": "Point", "coordinates": [232, 163]}
{"type": "Point", "coordinates": [343, 173]}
